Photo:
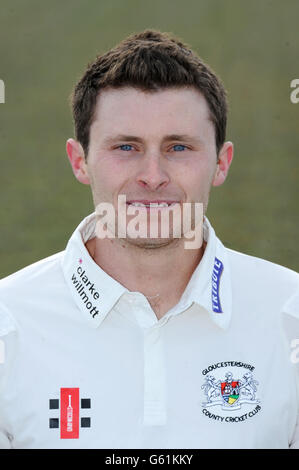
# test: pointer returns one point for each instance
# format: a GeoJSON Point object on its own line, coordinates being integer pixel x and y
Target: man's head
{"type": "Point", "coordinates": [150, 122]}
{"type": "Point", "coordinates": [148, 61]}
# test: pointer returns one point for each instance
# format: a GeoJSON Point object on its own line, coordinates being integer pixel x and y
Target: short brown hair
{"type": "Point", "coordinates": [149, 61]}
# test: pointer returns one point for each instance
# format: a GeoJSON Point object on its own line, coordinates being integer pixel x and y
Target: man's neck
{"type": "Point", "coordinates": [161, 274]}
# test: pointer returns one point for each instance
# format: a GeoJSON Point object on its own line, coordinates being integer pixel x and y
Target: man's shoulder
{"type": "Point", "coordinates": [32, 277]}
{"type": "Point", "coordinates": [263, 274]}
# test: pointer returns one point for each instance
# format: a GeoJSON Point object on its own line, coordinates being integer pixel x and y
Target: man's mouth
{"type": "Point", "coordinates": [158, 204]}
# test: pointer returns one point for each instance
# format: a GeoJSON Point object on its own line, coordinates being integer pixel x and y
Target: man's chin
{"type": "Point", "coordinates": [153, 243]}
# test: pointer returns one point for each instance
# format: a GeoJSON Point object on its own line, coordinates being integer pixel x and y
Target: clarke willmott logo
{"type": "Point", "coordinates": [69, 413]}
{"type": "Point", "coordinates": [231, 387]}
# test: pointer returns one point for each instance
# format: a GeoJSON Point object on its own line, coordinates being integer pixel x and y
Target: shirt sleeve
{"type": "Point", "coordinates": [291, 327]}
{"type": "Point", "coordinates": [5, 442]}
{"type": "Point", "coordinates": [7, 355]}
{"type": "Point", "coordinates": [295, 439]}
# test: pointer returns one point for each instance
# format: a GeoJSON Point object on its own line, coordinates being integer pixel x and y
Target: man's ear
{"type": "Point", "coordinates": [76, 156]}
{"type": "Point", "coordinates": [224, 161]}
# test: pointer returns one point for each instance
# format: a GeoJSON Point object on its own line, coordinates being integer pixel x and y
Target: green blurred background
{"type": "Point", "coordinates": [44, 49]}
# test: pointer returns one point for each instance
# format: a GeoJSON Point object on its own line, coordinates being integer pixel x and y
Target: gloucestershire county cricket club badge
{"type": "Point", "coordinates": [230, 390]}
{"type": "Point", "coordinates": [231, 387]}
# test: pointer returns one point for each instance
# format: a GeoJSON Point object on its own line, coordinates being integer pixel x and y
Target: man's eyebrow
{"type": "Point", "coordinates": [122, 137]}
{"type": "Point", "coordinates": [182, 137]}
{"type": "Point", "coordinates": [167, 138]}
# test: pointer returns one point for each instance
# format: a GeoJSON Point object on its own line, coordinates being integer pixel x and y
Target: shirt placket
{"type": "Point", "coordinates": [154, 412]}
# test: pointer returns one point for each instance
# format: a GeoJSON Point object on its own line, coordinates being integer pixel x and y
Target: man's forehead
{"type": "Point", "coordinates": [132, 112]}
{"type": "Point", "coordinates": [168, 98]}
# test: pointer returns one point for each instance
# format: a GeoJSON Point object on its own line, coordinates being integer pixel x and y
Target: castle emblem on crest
{"type": "Point", "coordinates": [230, 393]}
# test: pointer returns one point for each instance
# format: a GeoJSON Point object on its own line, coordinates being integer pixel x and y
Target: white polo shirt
{"type": "Point", "coordinates": [87, 364]}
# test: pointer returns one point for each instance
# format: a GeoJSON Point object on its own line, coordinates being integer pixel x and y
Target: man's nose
{"type": "Point", "coordinates": [152, 173]}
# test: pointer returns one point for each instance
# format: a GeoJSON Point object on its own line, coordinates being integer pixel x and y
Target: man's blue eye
{"type": "Point", "coordinates": [126, 147]}
{"type": "Point", "coordinates": [179, 148]}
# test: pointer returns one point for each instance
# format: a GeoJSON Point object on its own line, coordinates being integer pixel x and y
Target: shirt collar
{"type": "Point", "coordinates": [95, 292]}
{"type": "Point", "coordinates": [210, 283]}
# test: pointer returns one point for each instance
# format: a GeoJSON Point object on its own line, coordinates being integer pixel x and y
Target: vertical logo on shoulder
{"type": "Point", "coordinates": [217, 271]}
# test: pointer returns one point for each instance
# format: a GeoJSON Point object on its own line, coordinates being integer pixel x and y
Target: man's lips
{"type": "Point", "coordinates": [146, 202]}
{"type": "Point", "coordinates": [152, 204]}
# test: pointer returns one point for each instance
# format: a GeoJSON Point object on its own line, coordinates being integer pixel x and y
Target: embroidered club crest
{"type": "Point", "coordinates": [230, 390]}
{"type": "Point", "coordinates": [230, 393]}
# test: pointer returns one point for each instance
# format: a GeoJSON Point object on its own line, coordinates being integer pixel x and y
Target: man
{"type": "Point", "coordinates": [144, 342]}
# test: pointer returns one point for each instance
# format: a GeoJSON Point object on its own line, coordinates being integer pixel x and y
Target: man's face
{"type": "Point", "coordinates": [157, 146]}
